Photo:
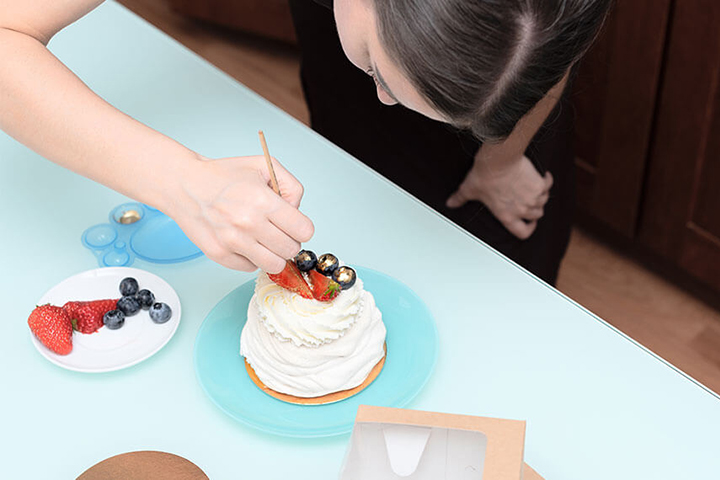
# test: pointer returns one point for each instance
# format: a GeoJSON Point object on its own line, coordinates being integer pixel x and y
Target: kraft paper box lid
{"type": "Point", "coordinates": [391, 443]}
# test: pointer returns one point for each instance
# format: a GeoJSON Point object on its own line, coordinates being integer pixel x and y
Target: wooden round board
{"type": "Point", "coordinates": [144, 465]}
{"type": "Point", "coordinates": [324, 399]}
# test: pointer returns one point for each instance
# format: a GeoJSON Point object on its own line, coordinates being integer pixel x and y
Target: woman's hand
{"type": "Point", "coordinates": [512, 189]}
{"type": "Point", "coordinates": [227, 208]}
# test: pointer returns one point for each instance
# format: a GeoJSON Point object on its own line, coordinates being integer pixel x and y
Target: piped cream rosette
{"type": "Point", "coordinates": [306, 348]}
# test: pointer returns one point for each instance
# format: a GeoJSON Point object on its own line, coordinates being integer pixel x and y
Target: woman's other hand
{"type": "Point", "coordinates": [512, 189]}
{"type": "Point", "coordinates": [227, 208]}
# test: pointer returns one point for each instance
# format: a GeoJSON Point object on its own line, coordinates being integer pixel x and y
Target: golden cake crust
{"type": "Point", "coordinates": [324, 399]}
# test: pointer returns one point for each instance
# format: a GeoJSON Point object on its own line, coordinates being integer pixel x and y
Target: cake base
{"type": "Point", "coordinates": [144, 465]}
{"type": "Point", "coordinates": [324, 399]}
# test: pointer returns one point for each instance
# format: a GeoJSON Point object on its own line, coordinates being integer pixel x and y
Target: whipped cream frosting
{"type": "Point", "coordinates": [308, 348]}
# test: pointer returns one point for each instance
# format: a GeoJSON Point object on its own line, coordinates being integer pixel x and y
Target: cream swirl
{"type": "Point", "coordinates": [307, 348]}
{"type": "Point", "coordinates": [306, 321]}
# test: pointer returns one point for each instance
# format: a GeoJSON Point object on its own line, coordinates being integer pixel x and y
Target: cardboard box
{"type": "Point", "coordinates": [391, 443]}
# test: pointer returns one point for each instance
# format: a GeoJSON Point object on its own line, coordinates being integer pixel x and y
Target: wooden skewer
{"type": "Point", "coordinates": [273, 178]}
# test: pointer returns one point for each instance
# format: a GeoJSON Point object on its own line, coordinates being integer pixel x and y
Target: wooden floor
{"type": "Point", "coordinates": [662, 317]}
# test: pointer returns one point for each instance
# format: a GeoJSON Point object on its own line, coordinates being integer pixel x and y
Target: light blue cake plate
{"type": "Point", "coordinates": [412, 348]}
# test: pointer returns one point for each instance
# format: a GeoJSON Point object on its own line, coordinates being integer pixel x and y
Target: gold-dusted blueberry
{"type": "Point", "coordinates": [327, 263]}
{"type": "Point", "coordinates": [305, 260]}
{"type": "Point", "coordinates": [345, 276]}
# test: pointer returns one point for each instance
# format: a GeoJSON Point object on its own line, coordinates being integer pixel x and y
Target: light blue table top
{"type": "Point", "coordinates": [598, 406]}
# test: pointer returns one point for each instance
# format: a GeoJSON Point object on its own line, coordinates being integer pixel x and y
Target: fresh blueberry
{"type": "Point", "coordinates": [128, 286]}
{"type": "Point", "coordinates": [345, 276]}
{"type": "Point", "coordinates": [146, 298]}
{"type": "Point", "coordinates": [327, 263]}
{"type": "Point", "coordinates": [160, 312]}
{"type": "Point", "coordinates": [305, 260]}
{"type": "Point", "coordinates": [114, 319]}
{"type": "Point", "coordinates": [128, 305]}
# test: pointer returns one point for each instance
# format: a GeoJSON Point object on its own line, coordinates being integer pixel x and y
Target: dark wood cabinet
{"type": "Point", "coordinates": [681, 212]}
{"type": "Point", "coordinates": [615, 95]}
{"type": "Point", "coordinates": [267, 18]}
{"type": "Point", "coordinates": [648, 133]}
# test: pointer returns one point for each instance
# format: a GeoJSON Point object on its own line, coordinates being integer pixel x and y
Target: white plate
{"type": "Point", "coordinates": [108, 350]}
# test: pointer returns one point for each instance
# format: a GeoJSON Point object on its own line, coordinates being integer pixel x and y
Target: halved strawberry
{"type": "Point", "coordinates": [51, 325]}
{"type": "Point", "coordinates": [324, 288]}
{"type": "Point", "coordinates": [87, 317]}
{"type": "Point", "coordinates": [291, 279]}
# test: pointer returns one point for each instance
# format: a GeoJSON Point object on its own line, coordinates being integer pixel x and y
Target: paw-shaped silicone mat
{"type": "Point", "coordinates": [138, 231]}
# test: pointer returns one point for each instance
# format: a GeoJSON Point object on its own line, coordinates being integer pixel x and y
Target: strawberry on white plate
{"type": "Point", "coordinates": [108, 350]}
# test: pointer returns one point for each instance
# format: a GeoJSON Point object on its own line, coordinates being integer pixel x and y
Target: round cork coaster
{"type": "Point", "coordinates": [144, 465]}
{"type": "Point", "coordinates": [324, 399]}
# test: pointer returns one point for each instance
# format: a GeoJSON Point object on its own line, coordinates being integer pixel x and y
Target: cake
{"type": "Point", "coordinates": [313, 334]}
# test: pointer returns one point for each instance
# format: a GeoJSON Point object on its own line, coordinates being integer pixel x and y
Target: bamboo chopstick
{"type": "Point", "coordinates": [273, 178]}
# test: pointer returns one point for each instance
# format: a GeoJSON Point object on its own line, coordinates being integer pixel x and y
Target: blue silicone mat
{"type": "Point", "coordinates": [150, 235]}
{"type": "Point", "coordinates": [412, 348]}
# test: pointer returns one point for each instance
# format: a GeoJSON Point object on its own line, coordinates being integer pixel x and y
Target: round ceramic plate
{"type": "Point", "coordinates": [107, 350]}
{"type": "Point", "coordinates": [412, 347]}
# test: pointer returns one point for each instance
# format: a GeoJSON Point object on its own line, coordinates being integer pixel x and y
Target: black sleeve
{"type": "Point", "coordinates": [325, 3]}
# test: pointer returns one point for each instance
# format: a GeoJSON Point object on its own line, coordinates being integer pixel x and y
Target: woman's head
{"type": "Point", "coordinates": [477, 64]}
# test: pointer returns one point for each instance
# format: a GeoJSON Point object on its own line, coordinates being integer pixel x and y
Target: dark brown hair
{"type": "Point", "coordinates": [484, 64]}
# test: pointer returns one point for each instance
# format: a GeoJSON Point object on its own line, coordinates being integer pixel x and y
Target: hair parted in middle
{"type": "Point", "coordinates": [484, 64]}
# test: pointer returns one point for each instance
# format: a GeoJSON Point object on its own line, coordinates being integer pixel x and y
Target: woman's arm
{"type": "Point", "coordinates": [224, 206]}
{"type": "Point", "coordinates": [505, 180]}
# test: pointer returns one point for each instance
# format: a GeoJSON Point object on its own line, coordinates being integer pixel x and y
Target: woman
{"type": "Point", "coordinates": [495, 69]}
{"type": "Point", "coordinates": [226, 206]}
